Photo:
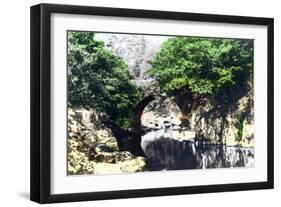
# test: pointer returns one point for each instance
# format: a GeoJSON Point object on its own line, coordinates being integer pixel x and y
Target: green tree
{"type": "Point", "coordinates": [99, 79]}
{"type": "Point", "coordinates": [203, 65]}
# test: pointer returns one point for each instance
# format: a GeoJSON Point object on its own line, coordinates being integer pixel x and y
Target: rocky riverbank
{"type": "Point", "coordinates": [92, 149]}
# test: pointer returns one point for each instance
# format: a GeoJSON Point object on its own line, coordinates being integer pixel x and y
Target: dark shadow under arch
{"type": "Point", "coordinates": [136, 117]}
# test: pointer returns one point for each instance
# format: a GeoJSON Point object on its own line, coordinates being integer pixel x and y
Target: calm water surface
{"type": "Point", "coordinates": [166, 153]}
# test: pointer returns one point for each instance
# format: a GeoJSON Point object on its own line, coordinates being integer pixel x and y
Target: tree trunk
{"type": "Point", "coordinates": [185, 101]}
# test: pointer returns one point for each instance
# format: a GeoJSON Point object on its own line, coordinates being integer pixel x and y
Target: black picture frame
{"type": "Point", "coordinates": [41, 96]}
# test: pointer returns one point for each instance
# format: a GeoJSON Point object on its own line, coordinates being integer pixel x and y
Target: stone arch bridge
{"type": "Point", "coordinates": [130, 139]}
{"type": "Point", "coordinates": [183, 98]}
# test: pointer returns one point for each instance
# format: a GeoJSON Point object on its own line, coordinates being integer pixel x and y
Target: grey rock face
{"type": "Point", "coordinates": [136, 50]}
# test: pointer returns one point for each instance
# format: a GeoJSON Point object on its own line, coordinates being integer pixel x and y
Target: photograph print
{"type": "Point", "coordinates": [142, 102]}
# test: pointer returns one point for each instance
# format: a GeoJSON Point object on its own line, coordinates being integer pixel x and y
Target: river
{"type": "Point", "coordinates": [164, 151]}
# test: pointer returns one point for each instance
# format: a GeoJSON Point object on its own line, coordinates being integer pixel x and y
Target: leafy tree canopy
{"type": "Point", "coordinates": [204, 65]}
{"type": "Point", "coordinates": [99, 79]}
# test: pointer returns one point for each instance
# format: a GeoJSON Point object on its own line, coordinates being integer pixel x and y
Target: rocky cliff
{"type": "Point", "coordinates": [92, 149]}
{"type": "Point", "coordinates": [230, 122]}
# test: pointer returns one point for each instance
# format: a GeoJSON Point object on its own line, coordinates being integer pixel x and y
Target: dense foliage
{"type": "Point", "coordinates": [99, 79]}
{"type": "Point", "coordinates": [204, 65]}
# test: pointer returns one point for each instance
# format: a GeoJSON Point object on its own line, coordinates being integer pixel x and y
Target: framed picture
{"type": "Point", "coordinates": [132, 103]}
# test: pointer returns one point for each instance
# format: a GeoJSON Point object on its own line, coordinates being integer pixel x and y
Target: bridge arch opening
{"type": "Point", "coordinates": [181, 107]}
{"type": "Point", "coordinates": [161, 113]}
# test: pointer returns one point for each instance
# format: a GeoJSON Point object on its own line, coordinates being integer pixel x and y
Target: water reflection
{"type": "Point", "coordinates": [165, 153]}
